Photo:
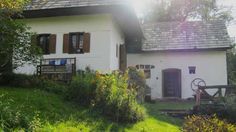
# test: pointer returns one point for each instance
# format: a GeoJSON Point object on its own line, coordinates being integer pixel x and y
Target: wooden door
{"type": "Point", "coordinates": [123, 57]}
{"type": "Point", "coordinates": [171, 83]}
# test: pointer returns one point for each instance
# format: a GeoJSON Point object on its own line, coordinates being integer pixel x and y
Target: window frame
{"type": "Point", "coordinates": [73, 50]}
{"type": "Point", "coordinates": [192, 69]}
{"type": "Point", "coordinates": [46, 46]}
{"type": "Point", "coordinates": [147, 73]}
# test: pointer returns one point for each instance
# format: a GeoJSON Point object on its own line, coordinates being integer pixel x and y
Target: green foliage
{"type": "Point", "coordinates": [54, 114]}
{"type": "Point", "coordinates": [210, 109]}
{"type": "Point", "coordinates": [207, 124]}
{"type": "Point", "coordinates": [182, 10]}
{"type": "Point", "coordinates": [16, 80]}
{"type": "Point", "coordinates": [13, 118]}
{"type": "Point", "coordinates": [15, 36]}
{"type": "Point", "coordinates": [49, 85]}
{"type": "Point", "coordinates": [32, 81]}
{"type": "Point", "coordinates": [116, 99]}
{"type": "Point", "coordinates": [13, 5]}
{"type": "Point", "coordinates": [138, 82]}
{"type": "Point", "coordinates": [68, 126]}
{"type": "Point", "coordinates": [113, 94]}
{"type": "Point", "coordinates": [231, 66]}
{"type": "Point", "coordinates": [231, 108]}
{"type": "Point", "coordinates": [35, 124]}
{"type": "Point", "coordinates": [82, 88]}
{"type": "Point", "coordinates": [225, 110]}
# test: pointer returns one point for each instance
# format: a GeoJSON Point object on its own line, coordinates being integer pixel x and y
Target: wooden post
{"type": "Point", "coordinates": [74, 68]}
{"type": "Point", "coordinates": [198, 97]}
{"type": "Point", "coordinates": [220, 92]}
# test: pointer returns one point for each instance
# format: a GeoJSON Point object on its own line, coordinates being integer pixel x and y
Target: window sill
{"type": "Point", "coordinates": [75, 53]}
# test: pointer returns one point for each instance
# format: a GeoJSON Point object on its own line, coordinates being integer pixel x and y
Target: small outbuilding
{"type": "Point", "coordinates": [173, 54]}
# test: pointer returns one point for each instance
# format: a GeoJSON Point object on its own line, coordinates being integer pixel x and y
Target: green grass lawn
{"type": "Point", "coordinates": [58, 115]}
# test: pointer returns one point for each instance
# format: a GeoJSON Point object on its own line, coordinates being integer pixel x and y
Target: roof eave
{"type": "Point", "coordinates": [125, 16]}
{"type": "Point", "coordinates": [190, 50]}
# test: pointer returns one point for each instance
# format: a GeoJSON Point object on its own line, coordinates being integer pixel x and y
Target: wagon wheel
{"type": "Point", "coordinates": [196, 83]}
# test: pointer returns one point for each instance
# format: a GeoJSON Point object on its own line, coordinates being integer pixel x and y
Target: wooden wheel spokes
{"type": "Point", "coordinates": [196, 83]}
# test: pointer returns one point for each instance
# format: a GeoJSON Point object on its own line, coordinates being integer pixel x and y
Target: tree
{"type": "Point", "coordinates": [231, 65]}
{"type": "Point", "coordinates": [12, 4]}
{"type": "Point", "coordinates": [16, 47]}
{"type": "Point", "coordinates": [182, 10]}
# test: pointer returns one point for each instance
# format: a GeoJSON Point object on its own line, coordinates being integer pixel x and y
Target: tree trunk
{"type": "Point", "coordinates": [6, 66]}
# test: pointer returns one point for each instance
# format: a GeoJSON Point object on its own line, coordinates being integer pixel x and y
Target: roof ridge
{"type": "Point", "coordinates": [169, 22]}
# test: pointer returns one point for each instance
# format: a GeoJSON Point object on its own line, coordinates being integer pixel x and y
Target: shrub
{"type": "Point", "coordinates": [225, 110]}
{"type": "Point", "coordinates": [116, 99]}
{"type": "Point", "coordinates": [16, 80]}
{"type": "Point", "coordinates": [211, 109]}
{"type": "Point", "coordinates": [138, 82]}
{"type": "Point", "coordinates": [231, 108]}
{"type": "Point", "coordinates": [32, 81]}
{"type": "Point", "coordinates": [49, 85]}
{"type": "Point", "coordinates": [207, 124]}
{"type": "Point", "coordinates": [82, 88]}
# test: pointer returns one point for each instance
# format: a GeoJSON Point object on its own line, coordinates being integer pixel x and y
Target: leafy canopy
{"type": "Point", "coordinates": [12, 4]}
{"type": "Point", "coordinates": [182, 10]}
{"type": "Point", "coordinates": [16, 48]}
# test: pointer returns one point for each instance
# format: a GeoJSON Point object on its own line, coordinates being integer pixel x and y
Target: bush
{"type": "Point", "coordinates": [207, 124]}
{"type": "Point", "coordinates": [138, 82]}
{"type": "Point", "coordinates": [49, 85]}
{"type": "Point", "coordinates": [16, 80]}
{"type": "Point", "coordinates": [225, 110]}
{"type": "Point", "coordinates": [32, 81]}
{"type": "Point", "coordinates": [82, 88]}
{"type": "Point", "coordinates": [231, 108]}
{"type": "Point", "coordinates": [116, 99]}
{"type": "Point", "coordinates": [211, 109]}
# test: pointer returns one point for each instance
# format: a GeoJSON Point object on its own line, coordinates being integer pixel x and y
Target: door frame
{"type": "Point", "coordinates": [122, 57]}
{"type": "Point", "coordinates": [180, 81]}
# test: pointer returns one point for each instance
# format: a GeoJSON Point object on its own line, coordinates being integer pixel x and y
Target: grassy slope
{"type": "Point", "coordinates": [56, 114]}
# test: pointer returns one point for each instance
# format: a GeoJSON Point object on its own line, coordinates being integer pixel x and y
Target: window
{"type": "Point", "coordinates": [141, 66]}
{"type": "Point", "coordinates": [146, 69]}
{"type": "Point", "coordinates": [192, 69]}
{"type": "Point", "coordinates": [147, 66]}
{"type": "Point", "coordinates": [76, 43]}
{"type": "Point", "coordinates": [43, 42]}
{"type": "Point", "coordinates": [147, 74]}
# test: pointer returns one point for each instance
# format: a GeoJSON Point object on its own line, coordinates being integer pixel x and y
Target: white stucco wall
{"type": "Point", "coordinates": [117, 38]}
{"type": "Point", "coordinates": [104, 36]}
{"type": "Point", "coordinates": [210, 66]}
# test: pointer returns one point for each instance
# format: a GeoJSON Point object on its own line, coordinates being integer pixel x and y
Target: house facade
{"type": "Point", "coordinates": [93, 32]}
{"type": "Point", "coordinates": [106, 35]}
{"type": "Point", "coordinates": [180, 52]}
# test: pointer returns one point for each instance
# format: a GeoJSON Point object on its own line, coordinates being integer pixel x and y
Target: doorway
{"type": "Point", "coordinates": [171, 83]}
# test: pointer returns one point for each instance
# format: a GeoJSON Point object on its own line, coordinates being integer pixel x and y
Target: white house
{"type": "Point", "coordinates": [92, 31]}
{"type": "Point", "coordinates": [173, 54]}
{"type": "Point", "coordinates": [106, 35]}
